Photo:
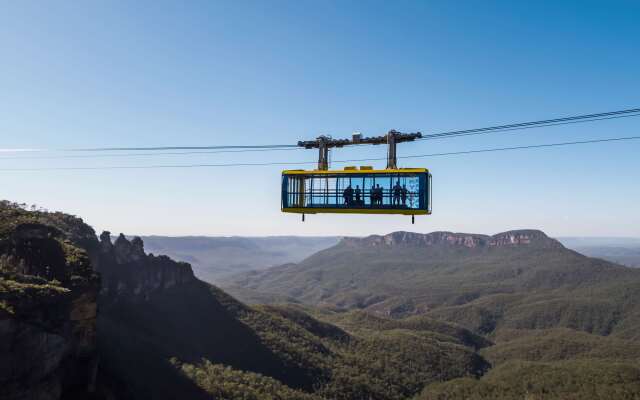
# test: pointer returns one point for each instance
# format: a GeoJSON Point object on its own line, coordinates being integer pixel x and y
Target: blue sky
{"type": "Point", "coordinates": [212, 73]}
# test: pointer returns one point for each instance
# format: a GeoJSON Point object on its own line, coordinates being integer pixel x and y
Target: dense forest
{"type": "Point", "coordinates": [406, 316]}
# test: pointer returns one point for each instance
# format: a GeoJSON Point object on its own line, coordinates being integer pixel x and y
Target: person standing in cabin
{"type": "Point", "coordinates": [379, 195]}
{"type": "Point", "coordinates": [348, 195]}
{"type": "Point", "coordinates": [397, 190]}
{"type": "Point", "coordinates": [404, 195]}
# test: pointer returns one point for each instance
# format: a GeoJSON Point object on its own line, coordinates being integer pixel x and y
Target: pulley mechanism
{"type": "Point", "coordinates": [392, 138]}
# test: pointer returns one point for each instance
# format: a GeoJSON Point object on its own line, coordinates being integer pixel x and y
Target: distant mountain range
{"type": "Point", "coordinates": [213, 258]}
{"type": "Point", "coordinates": [621, 250]}
{"type": "Point", "coordinates": [563, 325]}
{"type": "Point", "coordinates": [516, 279]}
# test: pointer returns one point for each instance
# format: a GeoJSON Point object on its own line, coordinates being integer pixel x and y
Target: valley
{"type": "Point", "coordinates": [624, 251]}
{"type": "Point", "coordinates": [214, 258]}
{"type": "Point", "coordinates": [400, 316]}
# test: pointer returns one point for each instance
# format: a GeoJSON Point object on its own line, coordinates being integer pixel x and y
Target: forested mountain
{"type": "Point", "coordinates": [562, 325]}
{"type": "Point", "coordinates": [213, 258]}
{"type": "Point", "coordinates": [565, 380]}
{"type": "Point", "coordinates": [518, 279]}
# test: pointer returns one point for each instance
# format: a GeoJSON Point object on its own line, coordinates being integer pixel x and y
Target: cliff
{"type": "Point", "coordinates": [127, 271]}
{"type": "Point", "coordinates": [524, 237]}
{"type": "Point", "coordinates": [48, 294]}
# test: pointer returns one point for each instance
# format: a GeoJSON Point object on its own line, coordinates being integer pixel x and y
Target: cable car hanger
{"type": "Point", "coordinates": [393, 137]}
{"type": "Point", "coordinates": [405, 191]}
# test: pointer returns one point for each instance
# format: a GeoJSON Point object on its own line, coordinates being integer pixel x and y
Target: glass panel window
{"type": "Point", "coordinates": [384, 191]}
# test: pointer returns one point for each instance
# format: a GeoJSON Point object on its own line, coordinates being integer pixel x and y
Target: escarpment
{"type": "Point", "coordinates": [56, 279]}
{"type": "Point", "coordinates": [48, 310]}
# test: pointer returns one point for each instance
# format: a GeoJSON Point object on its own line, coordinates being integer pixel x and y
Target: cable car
{"type": "Point", "coordinates": [353, 190]}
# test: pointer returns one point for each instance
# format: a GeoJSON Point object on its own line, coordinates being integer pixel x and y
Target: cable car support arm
{"type": "Point", "coordinates": [392, 138]}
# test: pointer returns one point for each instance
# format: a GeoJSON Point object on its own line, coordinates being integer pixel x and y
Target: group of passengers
{"type": "Point", "coordinates": [355, 196]}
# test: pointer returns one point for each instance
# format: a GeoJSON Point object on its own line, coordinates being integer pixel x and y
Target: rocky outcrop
{"type": "Point", "coordinates": [510, 238]}
{"type": "Point", "coordinates": [127, 270]}
{"type": "Point", "coordinates": [528, 237]}
{"type": "Point", "coordinates": [105, 242]}
{"type": "Point", "coordinates": [48, 294]}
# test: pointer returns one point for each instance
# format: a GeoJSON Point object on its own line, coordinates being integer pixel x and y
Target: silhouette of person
{"type": "Point", "coordinates": [373, 194]}
{"type": "Point", "coordinates": [348, 195]}
{"type": "Point", "coordinates": [397, 190]}
{"type": "Point", "coordinates": [379, 194]}
{"type": "Point", "coordinates": [404, 195]}
{"type": "Point", "coordinates": [357, 192]}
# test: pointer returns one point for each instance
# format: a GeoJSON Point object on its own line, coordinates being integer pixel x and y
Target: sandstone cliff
{"type": "Point", "coordinates": [48, 294]}
{"type": "Point", "coordinates": [528, 237]}
{"type": "Point", "coordinates": [128, 271]}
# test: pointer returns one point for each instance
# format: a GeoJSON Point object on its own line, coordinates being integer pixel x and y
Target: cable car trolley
{"type": "Point", "coordinates": [358, 190]}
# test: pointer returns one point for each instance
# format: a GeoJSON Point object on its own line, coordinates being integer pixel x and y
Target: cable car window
{"type": "Point", "coordinates": [340, 192]}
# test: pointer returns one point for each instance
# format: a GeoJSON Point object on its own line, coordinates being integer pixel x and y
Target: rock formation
{"type": "Point", "coordinates": [127, 270]}
{"type": "Point", "coordinates": [48, 294]}
{"type": "Point", "coordinates": [510, 238]}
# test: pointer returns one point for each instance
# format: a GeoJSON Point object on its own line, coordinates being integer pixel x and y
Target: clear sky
{"type": "Point", "coordinates": [107, 73]}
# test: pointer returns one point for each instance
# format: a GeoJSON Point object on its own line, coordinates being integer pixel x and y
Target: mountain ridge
{"type": "Point", "coordinates": [471, 240]}
{"type": "Point", "coordinates": [406, 273]}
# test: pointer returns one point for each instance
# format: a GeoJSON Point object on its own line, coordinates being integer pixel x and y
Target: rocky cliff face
{"type": "Point", "coordinates": [529, 237]}
{"type": "Point", "coordinates": [127, 270]}
{"type": "Point", "coordinates": [510, 238]}
{"type": "Point", "coordinates": [48, 294]}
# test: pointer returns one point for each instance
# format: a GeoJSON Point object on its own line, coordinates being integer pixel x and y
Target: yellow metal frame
{"type": "Point", "coordinates": [319, 210]}
{"type": "Point", "coordinates": [354, 211]}
{"type": "Point", "coordinates": [354, 171]}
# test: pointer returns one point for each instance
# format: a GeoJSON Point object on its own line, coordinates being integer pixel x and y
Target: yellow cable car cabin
{"type": "Point", "coordinates": [404, 191]}
{"type": "Point", "coordinates": [365, 190]}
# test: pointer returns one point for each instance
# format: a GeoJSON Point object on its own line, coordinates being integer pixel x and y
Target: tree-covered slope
{"type": "Point", "coordinates": [196, 324]}
{"type": "Point", "coordinates": [162, 331]}
{"type": "Point", "coordinates": [558, 344]}
{"type": "Point", "coordinates": [567, 380]}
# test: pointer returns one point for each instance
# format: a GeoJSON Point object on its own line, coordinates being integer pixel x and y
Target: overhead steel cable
{"type": "Point", "coordinates": [496, 149]}
{"type": "Point", "coordinates": [142, 154]}
{"type": "Point", "coordinates": [157, 148]}
{"type": "Point", "coordinates": [505, 128]}
{"type": "Point", "coordinates": [166, 148]}
{"type": "Point", "coordinates": [633, 112]}
{"type": "Point", "coordinates": [542, 122]}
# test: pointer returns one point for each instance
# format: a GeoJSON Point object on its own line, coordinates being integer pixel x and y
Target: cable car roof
{"type": "Point", "coordinates": [354, 171]}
